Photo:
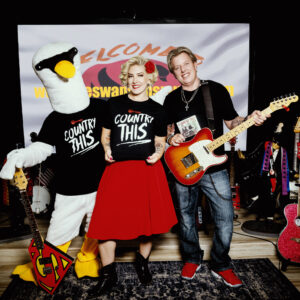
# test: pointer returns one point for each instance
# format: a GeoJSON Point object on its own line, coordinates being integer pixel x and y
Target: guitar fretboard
{"type": "Point", "coordinates": [234, 132]}
{"type": "Point", "coordinates": [32, 222]}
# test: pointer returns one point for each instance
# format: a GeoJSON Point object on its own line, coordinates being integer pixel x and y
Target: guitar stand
{"type": "Point", "coordinates": [262, 228]}
{"type": "Point", "coordinates": [285, 264]}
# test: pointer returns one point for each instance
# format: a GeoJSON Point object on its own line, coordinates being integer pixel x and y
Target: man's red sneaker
{"type": "Point", "coordinates": [229, 277]}
{"type": "Point", "coordinates": [189, 270]}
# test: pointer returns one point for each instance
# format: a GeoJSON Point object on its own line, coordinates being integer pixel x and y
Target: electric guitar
{"type": "Point", "coordinates": [50, 263]}
{"type": "Point", "coordinates": [288, 243]}
{"type": "Point", "coordinates": [189, 161]}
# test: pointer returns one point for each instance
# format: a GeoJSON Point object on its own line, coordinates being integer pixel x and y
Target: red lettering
{"type": "Point", "coordinates": [100, 55]}
{"type": "Point", "coordinates": [149, 49]}
{"type": "Point", "coordinates": [84, 58]}
{"type": "Point", "coordinates": [110, 53]}
{"type": "Point", "coordinates": [126, 51]}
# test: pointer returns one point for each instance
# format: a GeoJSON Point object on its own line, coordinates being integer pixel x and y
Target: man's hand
{"type": "Point", "coordinates": [176, 139]}
{"type": "Point", "coordinates": [258, 117]}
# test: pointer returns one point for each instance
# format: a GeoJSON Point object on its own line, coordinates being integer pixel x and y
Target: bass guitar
{"type": "Point", "coordinates": [189, 161]}
{"type": "Point", "coordinates": [288, 243]}
{"type": "Point", "coordinates": [50, 263]}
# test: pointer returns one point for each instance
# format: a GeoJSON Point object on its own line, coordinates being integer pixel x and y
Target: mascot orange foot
{"type": "Point", "coordinates": [87, 263]}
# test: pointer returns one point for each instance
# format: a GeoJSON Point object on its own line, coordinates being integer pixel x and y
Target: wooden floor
{"type": "Point", "coordinates": [165, 248]}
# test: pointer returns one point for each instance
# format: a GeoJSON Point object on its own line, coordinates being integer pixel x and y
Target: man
{"type": "Point", "coordinates": [187, 114]}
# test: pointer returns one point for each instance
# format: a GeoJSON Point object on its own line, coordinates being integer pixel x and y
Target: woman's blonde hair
{"type": "Point", "coordinates": [136, 60]}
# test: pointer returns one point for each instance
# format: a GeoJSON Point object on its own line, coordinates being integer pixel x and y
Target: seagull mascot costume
{"type": "Point", "coordinates": [73, 129]}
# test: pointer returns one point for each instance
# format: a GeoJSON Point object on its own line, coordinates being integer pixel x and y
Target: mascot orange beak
{"type": "Point", "coordinates": [65, 69]}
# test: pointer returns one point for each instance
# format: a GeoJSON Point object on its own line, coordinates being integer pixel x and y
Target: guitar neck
{"type": "Point", "coordinates": [32, 222]}
{"type": "Point", "coordinates": [234, 132]}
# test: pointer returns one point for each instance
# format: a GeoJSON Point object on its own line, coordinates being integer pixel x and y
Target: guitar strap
{"type": "Point", "coordinates": [208, 105]}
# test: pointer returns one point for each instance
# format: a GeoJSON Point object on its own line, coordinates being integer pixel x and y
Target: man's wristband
{"type": "Point", "coordinates": [169, 137]}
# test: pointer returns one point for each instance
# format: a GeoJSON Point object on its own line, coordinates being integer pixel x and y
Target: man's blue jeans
{"type": "Point", "coordinates": [217, 188]}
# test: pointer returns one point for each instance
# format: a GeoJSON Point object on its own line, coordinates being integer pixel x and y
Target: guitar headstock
{"type": "Point", "coordinates": [283, 102]}
{"type": "Point", "coordinates": [20, 180]}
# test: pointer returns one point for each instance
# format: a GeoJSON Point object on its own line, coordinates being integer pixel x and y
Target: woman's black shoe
{"type": "Point", "coordinates": [107, 280]}
{"type": "Point", "coordinates": [141, 266]}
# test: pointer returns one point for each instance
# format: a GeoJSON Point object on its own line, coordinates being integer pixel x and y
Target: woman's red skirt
{"type": "Point", "coordinates": [133, 200]}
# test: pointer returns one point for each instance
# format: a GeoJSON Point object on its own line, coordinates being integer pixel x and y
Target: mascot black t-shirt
{"type": "Point", "coordinates": [80, 157]}
{"type": "Point", "coordinates": [133, 127]}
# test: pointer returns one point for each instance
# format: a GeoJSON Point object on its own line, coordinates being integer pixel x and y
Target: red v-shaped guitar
{"type": "Point", "coordinates": [189, 161]}
{"type": "Point", "coordinates": [50, 263]}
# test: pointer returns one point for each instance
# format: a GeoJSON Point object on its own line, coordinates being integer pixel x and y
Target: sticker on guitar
{"type": "Point", "coordinates": [189, 161]}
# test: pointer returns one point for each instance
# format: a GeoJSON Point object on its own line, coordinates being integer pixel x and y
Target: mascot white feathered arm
{"type": "Point", "coordinates": [55, 64]}
{"type": "Point", "coordinates": [25, 157]}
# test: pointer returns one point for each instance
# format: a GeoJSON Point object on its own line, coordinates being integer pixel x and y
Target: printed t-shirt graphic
{"type": "Point", "coordinates": [133, 127]}
{"type": "Point", "coordinates": [79, 153]}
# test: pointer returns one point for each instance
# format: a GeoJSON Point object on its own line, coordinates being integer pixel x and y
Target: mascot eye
{"type": "Point", "coordinates": [39, 67]}
{"type": "Point", "coordinates": [72, 52]}
{"type": "Point", "coordinates": [51, 62]}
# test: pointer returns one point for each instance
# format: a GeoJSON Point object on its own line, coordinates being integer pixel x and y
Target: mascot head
{"type": "Point", "coordinates": [58, 67]}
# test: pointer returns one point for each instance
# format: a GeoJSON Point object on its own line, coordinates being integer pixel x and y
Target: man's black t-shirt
{"type": "Point", "coordinates": [79, 153]}
{"type": "Point", "coordinates": [189, 122]}
{"type": "Point", "coordinates": [133, 126]}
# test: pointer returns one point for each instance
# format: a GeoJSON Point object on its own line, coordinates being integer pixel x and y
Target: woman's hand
{"type": "Point", "coordinates": [107, 156]}
{"type": "Point", "coordinates": [160, 144]}
{"type": "Point", "coordinates": [105, 141]}
{"type": "Point", "coordinates": [153, 158]}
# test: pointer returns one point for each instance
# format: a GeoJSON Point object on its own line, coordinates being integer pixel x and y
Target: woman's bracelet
{"type": "Point", "coordinates": [169, 137]}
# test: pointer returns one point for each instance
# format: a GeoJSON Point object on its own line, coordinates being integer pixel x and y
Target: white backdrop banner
{"type": "Point", "coordinates": [222, 51]}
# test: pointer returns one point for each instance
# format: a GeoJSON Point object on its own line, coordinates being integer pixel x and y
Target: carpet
{"type": "Point", "coordinates": [262, 280]}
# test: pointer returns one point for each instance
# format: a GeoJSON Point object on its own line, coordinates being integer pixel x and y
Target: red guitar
{"type": "Point", "coordinates": [235, 189]}
{"type": "Point", "coordinates": [288, 243]}
{"type": "Point", "coordinates": [50, 263]}
{"type": "Point", "coordinates": [189, 161]}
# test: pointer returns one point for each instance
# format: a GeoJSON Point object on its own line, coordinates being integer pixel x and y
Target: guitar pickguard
{"type": "Point", "coordinates": [205, 158]}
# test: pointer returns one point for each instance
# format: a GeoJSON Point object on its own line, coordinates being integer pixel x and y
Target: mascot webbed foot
{"type": "Point", "coordinates": [87, 263]}
{"type": "Point", "coordinates": [25, 272]}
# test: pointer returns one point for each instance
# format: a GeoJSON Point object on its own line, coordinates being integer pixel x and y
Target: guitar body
{"type": "Point", "coordinates": [189, 161]}
{"type": "Point", "coordinates": [50, 265]}
{"type": "Point", "coordinates": [288, 243]}
{"type": "Point", "coordinates": [236, 196]}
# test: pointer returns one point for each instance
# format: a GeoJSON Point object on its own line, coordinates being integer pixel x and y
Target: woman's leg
{"type": "Point", "coordinates": [107, 252]}
{"type": "Point", "coordinates": [145, 246]}
{"type": "Point", "coordinates": [108, 274]}
{"type": "Point", "coordinates": [142, 257]}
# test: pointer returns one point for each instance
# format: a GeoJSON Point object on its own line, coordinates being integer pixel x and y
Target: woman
{"type": "Point", "coordinates": [133, 199]}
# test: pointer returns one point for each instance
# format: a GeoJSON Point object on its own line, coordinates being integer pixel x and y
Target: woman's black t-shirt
{"type": "Point", "coordinates": [133, 126]}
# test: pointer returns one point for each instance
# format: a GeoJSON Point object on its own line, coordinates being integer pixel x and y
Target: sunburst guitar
{"type": "Point", "coordinates": [189, 161]}
{"type": "Point", "coordinates": [50, 263]}
{"type": "Point", "coordinates": [288, 243]}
